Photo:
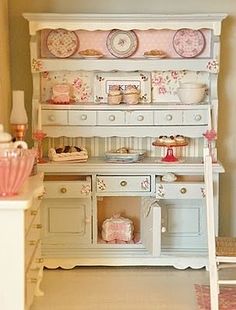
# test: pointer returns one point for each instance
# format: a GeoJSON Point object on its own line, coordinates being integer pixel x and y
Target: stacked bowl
{"type": "Point", "coordinates": [191, 92]}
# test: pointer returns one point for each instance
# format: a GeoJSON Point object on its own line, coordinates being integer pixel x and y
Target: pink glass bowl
{"type": "Point", "coordinates": [15, 167]}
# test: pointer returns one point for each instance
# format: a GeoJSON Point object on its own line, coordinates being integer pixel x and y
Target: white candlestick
{"type": "Point", "coordinates": [39, 118]}
{"type": "Point", "coordinates": [18, 113]}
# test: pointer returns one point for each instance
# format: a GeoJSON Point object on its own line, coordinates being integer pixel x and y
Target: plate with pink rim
{"type": "Point", "coordinates": [62, 43]}
{"type": "Point", "coordinates": [188, 43]}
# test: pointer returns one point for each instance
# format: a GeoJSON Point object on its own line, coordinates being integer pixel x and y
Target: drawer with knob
{"type": "Point", "coordinates": [33, 275]}
{"type": "Point", "coordinates": [195, 117]}
{"type": "Point", "coordinates": [140, 183]}
{"type": "Point", "coordinates": [168, 117]}
{"type": "Point", "coordinates": [111, 118]}
{"type": "Point", "coordinates": [139, 118]}
{"type": "Point", "coordinates": [53, 117]}
{"type": "Point", "coordinates": [82, 118]}
{"type": "Point", "coordinates": [68, 189]}
{"type": "Point", "coordinates": [32, 212]}
{"type": "Point", "coordinates": [180, 190]}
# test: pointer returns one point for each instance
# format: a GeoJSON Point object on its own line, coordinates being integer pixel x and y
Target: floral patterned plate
{"type": "Point", "coordinates": [122, 44]}
{"type": "Point", "coordinates": [62, 43]}
{"type": "Point", "coordinates": [188, 43]}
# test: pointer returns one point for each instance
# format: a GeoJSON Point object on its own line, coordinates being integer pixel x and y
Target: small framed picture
{"type": "Point", "coordinates": [104, 81]}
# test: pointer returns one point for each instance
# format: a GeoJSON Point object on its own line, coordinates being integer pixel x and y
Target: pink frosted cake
{"type": "Point", "coordinates": [117, 228]}
{"type": "Point", "coordinates": [61, 94]}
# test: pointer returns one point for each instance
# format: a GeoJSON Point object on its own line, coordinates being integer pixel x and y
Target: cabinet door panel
{"type": "Point", "coordinates": [67, 221]}
{"type": "Point", "coordinates": [184, 222]}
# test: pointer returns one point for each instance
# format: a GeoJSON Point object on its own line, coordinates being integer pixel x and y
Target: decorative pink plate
{"type": "Point", "coordinates": [121, 43]}
{"type": "Point", "coordinates": [62, 43]}
{"type": "Point", "coordinates": [188, 43]}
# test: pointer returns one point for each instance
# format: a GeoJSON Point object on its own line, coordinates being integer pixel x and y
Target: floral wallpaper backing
{"type": "Point", "coordinates": [164, 84]}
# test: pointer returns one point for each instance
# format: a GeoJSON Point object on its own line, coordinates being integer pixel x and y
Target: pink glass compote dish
{"type": "Point", "coordinates": [15, 166]}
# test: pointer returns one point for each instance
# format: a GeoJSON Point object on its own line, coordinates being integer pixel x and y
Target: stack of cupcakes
{"type": "Point", "coordinates": [131, 95]}
{"type": "Point", "coordinates": [114, 95]}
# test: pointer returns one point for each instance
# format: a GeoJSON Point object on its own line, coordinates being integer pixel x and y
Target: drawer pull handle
{"type": "Point", "coordinates": [39, 260]}
{"type": "Point", "coordinates": [33, 280]}
{"type": "Point", "coordinates": [51, 118]}
{"type": "Point", "coordinates": [169, 117]}
{"type": "Point", "coordinates": [63, 190]}
{"type": "Point", "coordinates": [84, 117]}
{"type": "Point", "coordinates": [32, 242]}
{"type": "Point", "coordinates": [38, 226]}
{"type": "Point", "coordinates": [183, 190]}
{"type": "Point", "coordinates": [123, 183]}
{"type": "Point", "coordinates": [140, 118]}
{"type": "Point", "coordinates": [34, 212]}
{"type": "Point", "coordinates": [40, 197]}
{"type": "Point", "coordinates": [112, 118]}
{"type": "Point", "coordinates": [198, 117]}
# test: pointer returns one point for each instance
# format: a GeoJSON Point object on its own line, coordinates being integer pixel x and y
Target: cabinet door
{"type": "Point", "coordinates": [151, 225]}
{"type": "Point", "coordinates": [66, 221]}
{"type": "Point", "coordinates": [184, 222]}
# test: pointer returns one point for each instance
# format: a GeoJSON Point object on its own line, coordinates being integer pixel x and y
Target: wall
{"type": "Point", "coordinates": [4, 65]}
{"type": "Point", "coordinates": [21, 77]}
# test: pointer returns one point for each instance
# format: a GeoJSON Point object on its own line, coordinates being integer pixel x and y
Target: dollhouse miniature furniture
{"type": "Point", "coordinates": [221, 250]}
{"type": "Point", "coordinates": [20, 260]}
{"type": "Point", "coordinates": [169, 217]}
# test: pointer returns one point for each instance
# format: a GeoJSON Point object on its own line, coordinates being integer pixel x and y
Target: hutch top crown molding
{"type": "Point", "coordinates": [124, 21]}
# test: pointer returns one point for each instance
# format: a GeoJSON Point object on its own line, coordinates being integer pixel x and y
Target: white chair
{"type": "Point", "coordinates": [221, 250]}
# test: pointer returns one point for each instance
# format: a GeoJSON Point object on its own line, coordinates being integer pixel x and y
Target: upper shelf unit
{"type": "Point", "coordinates": [144, 33]}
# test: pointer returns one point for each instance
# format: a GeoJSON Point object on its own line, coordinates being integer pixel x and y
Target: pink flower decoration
{"type": "Point", "coordinates": [77, 83]}
{"type": "Point", "coordinates": [39, 135]}
{"type": "Point", "coordinates": [210, 135]}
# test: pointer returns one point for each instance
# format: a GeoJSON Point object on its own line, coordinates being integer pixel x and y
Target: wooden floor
{"type": "Point", "coordinates": [119, 288]}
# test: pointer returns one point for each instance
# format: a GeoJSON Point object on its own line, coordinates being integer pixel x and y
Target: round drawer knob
{"type": "Point", "coordinates": [123, 183]}
{"type": "Point", "coordinates": [63, 190]}
{"type": "Point", "coordinates": [140, 118]}
{"type": "Point", "coordinates": [84, 117]}
{"type": "Point", "coordinates": [169, 117]}
{"type": "Point", "coordinates": [198, 117]}
{"type": "Point", "coordinates": [163, 229]}
{"type": "Point", "coordinates": [183, 190]}
{"type": "Point", "coordinates": [34, 212]}
{"type": "Point", "coordinates": [39, 260]}
{"type": "Point", "coordinates": [52, 118]}
{"type": "Point", "coordinates": [112, 118]}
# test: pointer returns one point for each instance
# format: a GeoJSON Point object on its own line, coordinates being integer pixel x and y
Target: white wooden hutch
{"type": "Point", "coordinates": [169, 217]}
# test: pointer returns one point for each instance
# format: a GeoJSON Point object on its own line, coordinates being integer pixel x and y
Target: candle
{"type": "Point", "coordinates": [39, 118]}
{"type": "Point", "coordinates": [18, 113]}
